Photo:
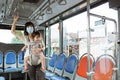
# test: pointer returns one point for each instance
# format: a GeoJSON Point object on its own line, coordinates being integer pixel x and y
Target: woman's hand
{"type": "Point", "coordinates": [13, 28]}
{"type": "Point", "coordinates": [25, 68]}
{"type": "Point", "coordinates": [37, 50]}
{"type": "Point", "coordinates": [34, 51]}
{"type": "Point", "coordinates": [16, 17]}
{"type": "Point", "coordinates": [43, 69]}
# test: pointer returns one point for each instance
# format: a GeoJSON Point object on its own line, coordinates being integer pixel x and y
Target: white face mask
{"type": "Point", "coordinates": [30, 30]}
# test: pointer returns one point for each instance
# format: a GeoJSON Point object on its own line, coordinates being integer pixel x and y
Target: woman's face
{"type": "Point", "coordinates": [30, 29]}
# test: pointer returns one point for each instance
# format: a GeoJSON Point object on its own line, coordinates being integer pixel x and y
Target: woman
{"type": "Point", "coordinates": [27, 37]}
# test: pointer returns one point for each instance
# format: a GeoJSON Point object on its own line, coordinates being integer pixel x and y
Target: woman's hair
{"type": "Point", "coordinates": [25, 28]}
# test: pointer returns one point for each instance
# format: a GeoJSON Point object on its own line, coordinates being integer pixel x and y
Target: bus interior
{"type": "Point", "coordinates": [82, 38]}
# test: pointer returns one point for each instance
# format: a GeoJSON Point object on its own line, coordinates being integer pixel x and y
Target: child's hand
{"type": "Point", "coordinates": [34, 51]}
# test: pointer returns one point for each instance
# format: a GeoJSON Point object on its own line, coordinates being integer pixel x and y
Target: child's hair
{"type": "Point", "coordinates": [36, 34]}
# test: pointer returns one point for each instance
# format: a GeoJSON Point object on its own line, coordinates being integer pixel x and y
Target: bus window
{"type": "Point", "coordinates": [8, 37]}
{"type": "Point", "coordinates": [54, 47]}
{"type": "Point", "coordinates": [75, 31]}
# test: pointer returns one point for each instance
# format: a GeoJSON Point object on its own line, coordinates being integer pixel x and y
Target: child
{"type": "Point", "coordinates": [35, 51]}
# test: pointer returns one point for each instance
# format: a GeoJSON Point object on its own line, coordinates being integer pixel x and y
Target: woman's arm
{"type": "Point", "coordinates": [24, 48]}
{"type": "Point", "coordinates": [13, 29]}
{"type": "Point", "coordinates": [36, 50]}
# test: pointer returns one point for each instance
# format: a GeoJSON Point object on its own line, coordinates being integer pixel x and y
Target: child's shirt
{"type": "Point", "coordinates": [34, 58]}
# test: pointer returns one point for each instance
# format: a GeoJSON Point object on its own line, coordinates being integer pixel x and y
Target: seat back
{"type": "Point", "coordinates": [10, 59]}
{"type": "Point", "coordinates": [61, 60]}
{"type": "Point", "coordinates": [20, 59]}
{"type": "Point", "coordinates": [1, 61]}
{"type": "Point", "coordinates": [70, 66]}
{"type": "Point", "coordinates": [52, 62]}
{"type": "Point", "coordinates": [104, 68]}
{"type": "Point", "coordinates": [82, 69]}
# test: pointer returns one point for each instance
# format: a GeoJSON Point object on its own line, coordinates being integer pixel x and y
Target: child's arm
{"type": "Point", "coordinates": [43, 46]}
{"type": "Point", "coordinates": [38, 50]}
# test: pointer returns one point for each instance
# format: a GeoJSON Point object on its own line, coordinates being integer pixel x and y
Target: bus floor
{"type": "Point", "coordinates": [14, 76]}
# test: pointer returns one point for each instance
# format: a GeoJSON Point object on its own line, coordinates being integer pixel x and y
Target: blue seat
{"type": "Point", "coordinates": [2, 78]}
{"type": "Point", "coordinates": [10, 62]}
{"type": "Point", "coordinates": [52, 62]}
{"type": "Point", "coordinates": [20, 60]}
{"type": "Point", "coordinates": [51, 65]}
{"type": "Point", "coordinates": [59, 65]}
{"type": "Point", "coordinates": [69, 70]}
{"type": "Point", "coordinates": [1, 62]}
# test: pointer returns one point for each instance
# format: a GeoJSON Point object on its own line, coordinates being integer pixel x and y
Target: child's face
{"type": "Point", "coordinates": [37, 38]}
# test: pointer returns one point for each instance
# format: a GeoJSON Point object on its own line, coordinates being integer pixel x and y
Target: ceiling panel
{"type": "Point", "coordinates": [33, 10]}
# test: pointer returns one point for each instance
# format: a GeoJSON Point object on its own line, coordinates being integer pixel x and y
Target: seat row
{"type": "Point", "coordinates": [10, 61]}
{"type": "Point", "coordinates": [71, 68]}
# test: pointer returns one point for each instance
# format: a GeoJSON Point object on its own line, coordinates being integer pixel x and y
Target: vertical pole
{"type": "Point", "coordinates": [45, 37]}
{"type": "Point", "coordinates": [68, 48]}
{"type": "Point", "coordinates": [118, 48]}
{"type": "Point", "coordinates": [61, 36]}
{"type": "Point", "coordinates": [105, 24]}
{"type": "Point", "coordinates": [116, 52]}
{"type": "Point", "coordinates": [49, 41]}
{"type": "Point", "coordinates": [88, 38]}
{"type": "Point", "coordinates": [10, 76]}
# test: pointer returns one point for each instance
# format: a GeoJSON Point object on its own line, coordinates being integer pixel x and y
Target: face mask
{"type": "Point", "coordinates": [30, 30]}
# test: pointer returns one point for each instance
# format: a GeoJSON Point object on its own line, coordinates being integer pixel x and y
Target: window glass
{"type": "Point", "coordinates": [75, 32]}
{"type": "Point", "coordinates": [8, 37]}
{"type": "Point", "coordinates": [54, 39]}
